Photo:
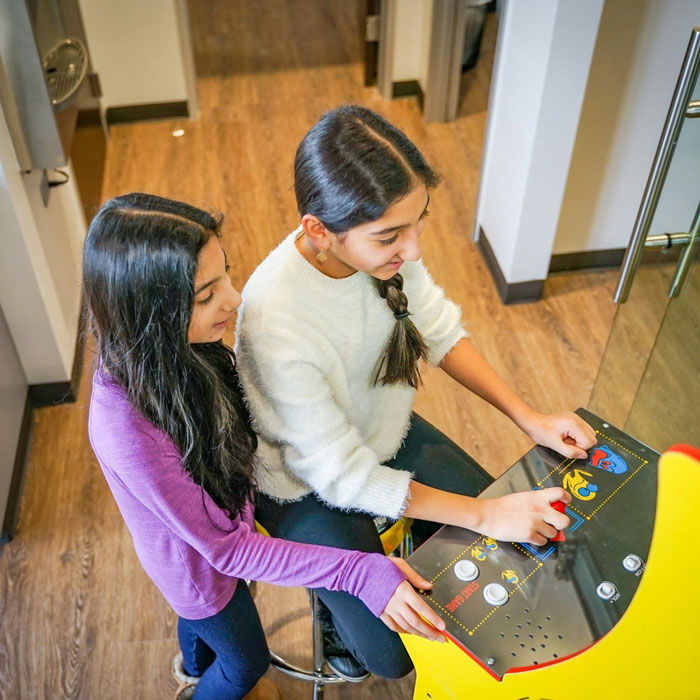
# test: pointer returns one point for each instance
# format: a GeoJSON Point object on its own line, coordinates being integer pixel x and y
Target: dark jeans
{"type": "Point", "coordinates": [228, 650]}
{"type": "Point", "coordinates": [435, 461]}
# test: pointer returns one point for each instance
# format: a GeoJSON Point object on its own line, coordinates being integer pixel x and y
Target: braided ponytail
{"type": "Point", "coordinates": [405, 347]}
{"type": "Point", "coordinates": [349, 169]}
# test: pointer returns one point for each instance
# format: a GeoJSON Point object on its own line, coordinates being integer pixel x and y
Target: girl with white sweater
{"type": "Point", "coordinates": [331, 333]}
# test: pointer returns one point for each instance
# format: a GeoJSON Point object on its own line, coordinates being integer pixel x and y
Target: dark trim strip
{"type": "Point", "coordinates": [137, 113]}
{"type": "Point", "coordinates": [14, 497]}
{"type": "Point", "coordinates": [510, 293]}
{"type": "Point", "coordinates": [408, 88]}
{"type": "Point", "coordinates": [89, 117]}
{"type": "Point", "coordinates": [41, 395]}
{"type": "Point", "coordinates": [586, 260]}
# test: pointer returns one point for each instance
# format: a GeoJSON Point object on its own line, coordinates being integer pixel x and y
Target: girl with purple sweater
{"type": "Point", "coordinates": [171, 432]}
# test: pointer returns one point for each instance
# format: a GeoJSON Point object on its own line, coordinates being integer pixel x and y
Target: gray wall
{"type": "Point", "coordinates": [13, 394]}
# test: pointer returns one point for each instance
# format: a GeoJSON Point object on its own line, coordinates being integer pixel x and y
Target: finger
{"type": "Point", "coordinates": [571, 451]}
{"type": "Point", "coordinates": [582, 434]}
{"type": "Point", "coordinates": [389, 622]}
{"type": "Point", "coordinates": [402, 627]}
{"type": "Point", "coordinates": [588, 432]}
{"type": "Point", "coordinates": [559, 521]}
{"type": "Point", "coordinates": [425, 611]}
{"type": "Point", "coordinates": [548, 531]}
{"type": "Point", "coordinates": [536, 538]}
{"type": "Point", "coordinates": [413, 624]}
{"type": "Point", "coordinates": [556, 493]}
{"type": "Point", "coordinates": [412, 576]}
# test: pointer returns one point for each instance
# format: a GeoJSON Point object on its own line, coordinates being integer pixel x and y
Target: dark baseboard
{"type": "Point", "coordinates": [510, 293]}
{"type": "Point", "coordinates": [371, 60]}
{"type": "Point", "coordinates": [42, 395]}
{"type": "Point", "coordinates": [89, 117]}
{"type": "Point", "coordinates": [601, 259]}
{"type": "Point", "coordinates": [408, 88]}
{"type": "Point", "coordinates": [586, 260]}
{"type": "Point", "coordinates": [39, 396]}
{"type": "Point", "coordinates": [137, 113]}
{"type": "Point", "coordinates": [9, 524]}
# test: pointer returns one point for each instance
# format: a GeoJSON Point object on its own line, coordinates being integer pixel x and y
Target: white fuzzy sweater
{"type": "Point", "coordinates": [307, 346]}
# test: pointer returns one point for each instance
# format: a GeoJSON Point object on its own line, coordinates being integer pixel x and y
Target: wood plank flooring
{"type": "Point", "coordinates": [80, 619]}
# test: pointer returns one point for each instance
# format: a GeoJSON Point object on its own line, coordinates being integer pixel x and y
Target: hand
{"type": "Point", "coordinates": [406, 609]}
{"type": "Point", "coordinates": [524, 517]}
{"type": "Point", "coordinates": [565, 433]}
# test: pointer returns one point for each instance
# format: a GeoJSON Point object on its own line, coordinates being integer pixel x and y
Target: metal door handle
{"type": "Point", "coordinates": [687, 257]}
{"type": "Point", "coordinates": [680, 107]}
{"type": "Point", "coordinates": [666, 240]}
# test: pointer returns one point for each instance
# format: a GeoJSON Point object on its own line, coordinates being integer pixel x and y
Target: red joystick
{"type": "Point", "coordinates": [561, 507]}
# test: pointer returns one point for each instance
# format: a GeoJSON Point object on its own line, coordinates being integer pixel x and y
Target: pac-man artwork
{"type": "Point", "coordinates": [478, 553]}
{"type": "Point", "coordinates": [579, 486]}
{"type": "Point", "coordinates": [604, 458]}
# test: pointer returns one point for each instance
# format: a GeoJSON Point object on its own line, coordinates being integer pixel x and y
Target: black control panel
{"type": "Point", "coordinates": [516, 606]}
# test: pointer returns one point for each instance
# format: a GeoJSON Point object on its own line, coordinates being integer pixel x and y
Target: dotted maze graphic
{"type": "Point", "coordinates": [537, 555]}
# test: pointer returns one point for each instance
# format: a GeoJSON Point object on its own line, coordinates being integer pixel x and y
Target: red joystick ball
{"type": "Point", "coordinates": [561, 507]}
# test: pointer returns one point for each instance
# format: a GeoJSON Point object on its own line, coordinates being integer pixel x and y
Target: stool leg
{"type": "Point", "coordinates": [317, 638]}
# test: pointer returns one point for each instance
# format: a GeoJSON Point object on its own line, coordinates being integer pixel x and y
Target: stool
{"type": "Point", "coordinates": [395, 537]}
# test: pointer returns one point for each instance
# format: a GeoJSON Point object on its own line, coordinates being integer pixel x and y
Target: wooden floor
{"type": "Point", "coordinates": [80, 619]}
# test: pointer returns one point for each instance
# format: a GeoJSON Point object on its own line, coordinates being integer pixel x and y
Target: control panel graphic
{"type": "Point", "coordinates": [515, 606]}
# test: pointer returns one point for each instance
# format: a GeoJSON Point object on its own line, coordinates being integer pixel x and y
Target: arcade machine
{"type": "Point", "coordinates": [611, 611]}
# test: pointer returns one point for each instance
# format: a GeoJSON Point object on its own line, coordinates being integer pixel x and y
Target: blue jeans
{"type": "Point", "coordinates": [435, 461]}
{"type": "Point", "coordinates": [227, 651]}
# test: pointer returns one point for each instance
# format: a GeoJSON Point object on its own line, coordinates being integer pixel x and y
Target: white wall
{"type": "Point", "coordinates": [39, 267]}
{"type": "Point", "coordinates": [542, 61]}
{"type": "Point", "coordinates": [139, 49]}
{"type": "Point", "coordinates": [13, 394]}
{"type": "Point", "coordinates": [637, 59]}
{"type": "Point", "coordinates": [427, 26]}
{"type": "Point", "coordinates": [411, 40]}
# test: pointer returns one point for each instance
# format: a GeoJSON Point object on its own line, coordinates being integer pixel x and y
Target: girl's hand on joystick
{"type": "Point", "coordinates": [524, 517]}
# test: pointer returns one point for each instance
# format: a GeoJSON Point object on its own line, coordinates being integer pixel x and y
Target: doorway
{"type": "Point", "coordinates": [649, 378]}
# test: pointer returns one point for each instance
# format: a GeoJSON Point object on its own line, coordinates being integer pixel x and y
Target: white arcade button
{"type": "Point", "coordinates": [466, 570]}
{"type": "Point", "coordinates": [632, 562]}
{"type": "Point", "coordinates": [495, 594]}
{"type": "Point", "coordinates": [606, 590]}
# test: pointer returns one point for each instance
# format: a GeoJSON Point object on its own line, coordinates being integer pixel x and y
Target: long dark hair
{"type": "Point", "coordinates": [139, 264]}
{"type": "Point", "coordinates": [349, 169]}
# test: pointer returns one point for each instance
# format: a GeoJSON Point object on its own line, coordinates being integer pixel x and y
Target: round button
{"type": "Point", "coordinates": [495, 594]}
{"type": "Point", "coordinates": [466, 570]}
{"type": "Point", "coordinates": [606, 590]}
{"type": "Point", "coordinates": [632, 562]}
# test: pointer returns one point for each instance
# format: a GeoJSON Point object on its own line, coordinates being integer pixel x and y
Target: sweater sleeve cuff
{"type": "Point", "coordinates": [385, 492]}
{"type": "Point", "coordinates": [375, 580]}
{"type": "Point", "coordinates": [436, 353]}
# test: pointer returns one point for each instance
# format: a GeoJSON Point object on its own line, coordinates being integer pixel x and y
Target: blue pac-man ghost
{"type": "Point", "coordinates": [604, 458]}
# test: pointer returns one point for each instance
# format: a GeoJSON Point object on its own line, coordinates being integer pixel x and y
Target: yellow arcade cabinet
{"type": "Point", "coordinates": [611, 613]}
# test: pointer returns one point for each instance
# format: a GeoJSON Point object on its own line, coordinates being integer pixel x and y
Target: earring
{"type": "Point", "coordinates": [321, 256]}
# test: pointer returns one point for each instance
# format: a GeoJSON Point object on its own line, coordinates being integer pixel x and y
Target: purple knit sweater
{"type": "Point", "coordinates": [189, 547]}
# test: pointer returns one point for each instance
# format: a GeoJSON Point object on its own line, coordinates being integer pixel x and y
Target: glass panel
{"type": "Point", "coordinates": [666, 409]}
{"type": "Point", "coordinates": [650, 370]}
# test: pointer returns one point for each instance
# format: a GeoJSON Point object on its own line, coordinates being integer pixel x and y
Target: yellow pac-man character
{"type": "Point", "coordinates": [510, 576]}
{"type": "Point", "coordinates": [478, 553]}
{"type": "Point", "coordinates": [490, 544]}
{"type": "Point", "coordinates": [579, 486]}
